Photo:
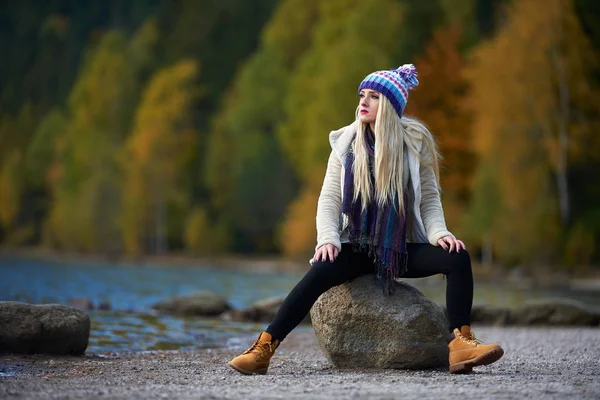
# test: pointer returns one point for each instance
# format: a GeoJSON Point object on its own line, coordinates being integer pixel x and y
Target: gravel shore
{"type": "Point", "coordinates": [539, 363]}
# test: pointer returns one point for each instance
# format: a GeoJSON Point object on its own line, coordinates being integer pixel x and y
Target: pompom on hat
{"type": "Point", "coordinates": [393, 84]}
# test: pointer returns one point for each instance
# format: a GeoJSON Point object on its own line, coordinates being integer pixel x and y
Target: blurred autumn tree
{"type": "Point", "coordinates": [15, 134]}
{"type": "Point", "coordinates": [219, 35]}
{"type": "Point", "coordinates": [439, 101]}
{"type": "Point", "coordinates": [249, 179]}
{"type": "Point", "coordinates": [155, 190]}
{"type": "Point", "coordinates": [43, 46]}
{"type": "Point", "coordinates": [321, 98]}
{"type": "Point", "coordinates": [86, 187]}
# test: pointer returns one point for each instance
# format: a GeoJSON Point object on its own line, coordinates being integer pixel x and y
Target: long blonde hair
{"type": "Point", "coordinates": [392, 133]}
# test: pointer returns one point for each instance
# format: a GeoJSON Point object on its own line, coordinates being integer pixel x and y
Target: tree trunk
{"type": "Point", "coordinates": [160, 241]}
{"type": "Point", "coordinates": [563, 138]}
{"type": "Point", "coordinates": [486, 251]}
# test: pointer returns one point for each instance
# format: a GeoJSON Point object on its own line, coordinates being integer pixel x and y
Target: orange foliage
{"type": "Point", "coordinates": [297, 233]}
{"type": "Point", "coordinates": [439, 102]}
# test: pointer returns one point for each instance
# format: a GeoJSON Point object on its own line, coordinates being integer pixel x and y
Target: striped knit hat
{"type": "Point", "coordinates": [393, 84]}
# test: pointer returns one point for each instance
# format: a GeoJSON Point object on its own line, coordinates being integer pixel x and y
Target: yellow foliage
{"type": "Point", "coordinates": [202, 237]}
{"type": "Point", "coordinates": [297, 233]}
{"type": "Point", "coordinates": [84, 177]}
{"type": "Point", "coordinates": [155, 154]}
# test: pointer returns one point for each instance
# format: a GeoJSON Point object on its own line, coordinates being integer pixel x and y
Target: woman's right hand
{"type": "Point", "coordinates": [325, 252]}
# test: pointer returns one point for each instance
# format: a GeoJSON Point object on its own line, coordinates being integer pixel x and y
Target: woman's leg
{"type": "Point", "coordinates": [322, 276]}
{"type": "Point", "coordinates": [426, 260]}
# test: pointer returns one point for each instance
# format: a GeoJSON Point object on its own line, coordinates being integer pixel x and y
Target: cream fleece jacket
{"type": "Point", "coordinates": [426, 221]}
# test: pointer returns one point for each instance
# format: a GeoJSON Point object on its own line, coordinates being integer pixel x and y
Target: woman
{"type": "Point", "coordinates": [380, 212]}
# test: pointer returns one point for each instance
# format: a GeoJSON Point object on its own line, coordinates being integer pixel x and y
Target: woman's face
{"type": "Point", "coordinates": [368, 104]}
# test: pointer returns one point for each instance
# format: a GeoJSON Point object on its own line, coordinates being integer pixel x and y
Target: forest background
{"type": "Point", "coordinates": [200, 127]}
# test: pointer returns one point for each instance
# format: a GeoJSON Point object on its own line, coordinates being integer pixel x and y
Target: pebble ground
{"type": "Point", "coordinates": [539, 363]}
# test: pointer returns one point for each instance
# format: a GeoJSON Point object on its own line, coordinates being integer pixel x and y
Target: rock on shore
{"type": "Point", "coordinates": [47, 328]}
{"type": "Point", "coordinates": [203, 303]}
{"type": "Point", "coordinates": [549, 312]}
{"type": "Point", "coordinates": [357, 326]}
{"type": "Point", "coordinates": [261, 311]}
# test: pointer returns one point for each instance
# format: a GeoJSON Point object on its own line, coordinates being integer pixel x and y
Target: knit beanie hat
{"type": "Point", "coordinates": [393, 84]}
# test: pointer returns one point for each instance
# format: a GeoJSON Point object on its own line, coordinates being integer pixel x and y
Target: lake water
{"type": "Point", "coordinates": [131, 290]}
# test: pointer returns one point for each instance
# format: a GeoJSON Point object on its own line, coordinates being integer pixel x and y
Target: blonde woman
{"type": "Point", "coordinates": [380, 213]}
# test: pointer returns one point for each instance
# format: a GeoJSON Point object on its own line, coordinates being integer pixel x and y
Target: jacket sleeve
{"type": "Point", "coordinates": [329, 205]}
{"type": "Point", "coordinates": [431, 205]}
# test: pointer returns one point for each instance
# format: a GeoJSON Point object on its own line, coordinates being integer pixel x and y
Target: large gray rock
{"type": "Point", "coordinates": [203, 303]}
{"type": "Point", "coordinates": [47, 328]}
{"type": "Point", "coordinates": [357, 326]}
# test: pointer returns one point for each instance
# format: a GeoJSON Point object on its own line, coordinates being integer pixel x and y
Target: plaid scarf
{"type": "Point", "coordinates": [379, 230]}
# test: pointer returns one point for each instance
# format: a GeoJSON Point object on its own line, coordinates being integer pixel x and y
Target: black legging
{"type": "Point", "coordinates": [423, 260]}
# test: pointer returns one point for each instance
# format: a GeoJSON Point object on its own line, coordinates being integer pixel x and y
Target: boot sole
{"type": "Point", "coordinates": [484, 359]}
{"type": "Point", "coordinates": [259, 371]}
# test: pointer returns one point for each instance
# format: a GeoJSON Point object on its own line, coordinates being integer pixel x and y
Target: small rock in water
{"type": "Point", "coordinates": [81, 304]}
{"type": "Point", "coordinates": [203, 303]}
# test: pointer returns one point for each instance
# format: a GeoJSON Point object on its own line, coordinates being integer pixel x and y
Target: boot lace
{"type": "Point", "coordinates": [470, 339]}
{"type": "Point", "coordinates": [260, 348]}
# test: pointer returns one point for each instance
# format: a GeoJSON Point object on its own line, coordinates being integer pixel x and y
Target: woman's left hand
{"type": "Point", "coordinates": [450, 243]}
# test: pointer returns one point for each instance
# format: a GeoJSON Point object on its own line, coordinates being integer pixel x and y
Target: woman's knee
{"type": "Point", "coordinates": [325, 272]}
{"type": "Point", "coordinates": [459, 262]}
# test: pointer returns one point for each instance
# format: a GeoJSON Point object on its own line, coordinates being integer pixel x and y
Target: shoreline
{"type": "Point", "coordinates": [259, 263]}
{"type": "Point", "coordinates": [280, 264]}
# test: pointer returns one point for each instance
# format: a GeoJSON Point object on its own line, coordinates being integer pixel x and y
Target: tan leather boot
{"type": "Point", "coordinates": [256, 359]}
{"type": "Point", "coordinates": [467, 352]}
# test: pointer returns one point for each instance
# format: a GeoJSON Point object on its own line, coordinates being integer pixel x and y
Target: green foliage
{"type": "Point", "coordinates": [42, 44]}
{"type": "Point", "coordinates": [321, 97]}
{"type": "Point", "coordinates": [86, 191]}
{"type": "Point", "coordinates": [41, 152]}
{"type": "Point", "coordinates": [86, 188]}
{"type": "Point", "coordinates": [249, 180]}
{"type": "Point", "coordinates": [11, 188]}
{"type": "Point", "coordinates": [579, 248]}
{"type": "Point", "coordinates": [202, 236]}
{"type": "Point", "coordinates": [421, 18]}
{"type": "Point", "coordinates": [347, 45]}
{"type": "Point", "coordinates": [16, 132]}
